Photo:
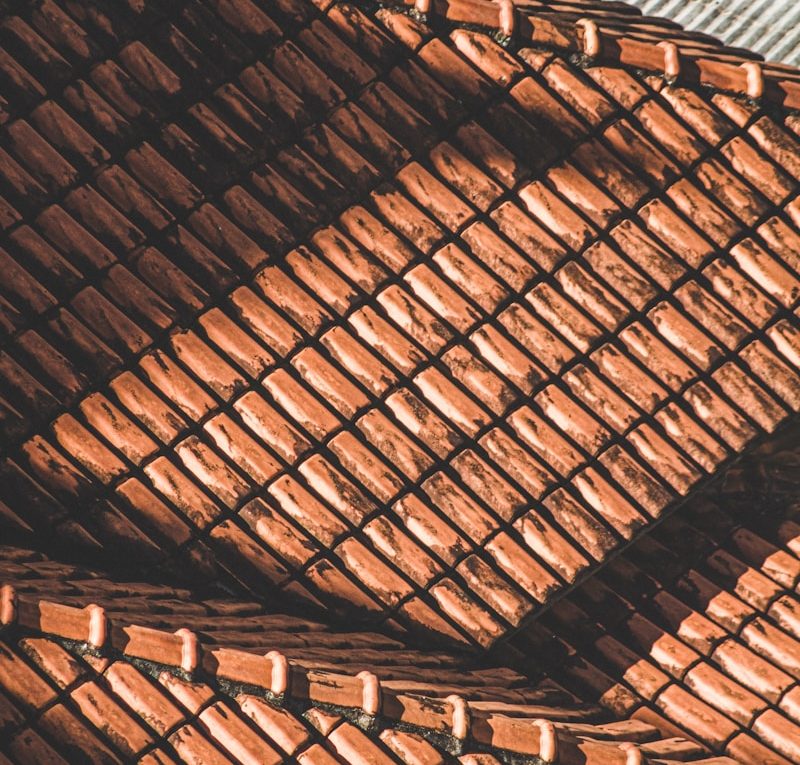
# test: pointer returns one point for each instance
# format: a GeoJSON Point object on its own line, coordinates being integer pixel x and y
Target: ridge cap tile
{"type": "Point", "coordinates": [216, 708]}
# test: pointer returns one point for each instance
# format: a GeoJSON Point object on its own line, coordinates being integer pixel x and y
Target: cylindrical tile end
{"type": "Point", "coordinates": [591, 37]}
{"type": "Point", "coordinates": [371, 693]}
{"type": "Point", "coordinates": [508, 18]}
{"type": "Point", "coordinates": [423, 7]}
{"type": "Point", "coordinates": [634, 754]}
{"type": "Point", "coordinates": [190, 650]}
{"type": "Point", "coordinates": [8, 605]}
{"type": "Point", "coordinates": [548, 741]}
{"type": "Point", "coordinates": [98, 626]}
{"type": "Point", "coordinates": [460, 716]}
{"type": "Point", "coordinates": [672, 60]}
{"type": "Point", "coordinates": [755, 79]}
{"type": "Point", "coordinates": [279, 682]}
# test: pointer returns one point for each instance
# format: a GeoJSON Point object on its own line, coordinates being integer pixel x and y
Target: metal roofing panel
{"type": "Point", "coordinates": [768, 27]}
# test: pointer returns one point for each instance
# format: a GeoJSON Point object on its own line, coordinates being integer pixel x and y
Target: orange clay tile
{"type": "Point", "coordinates": [309, 513]}
{"type": "Point", "coordinates": [176, 385]}
{"type": "Point", "coordinates": [408, 314]}
{"type": "Point", "coordinates": [450, 401]}
{"type": "Point", "coordinates": [354, 357]}
{"type": "Point", "coordinates": [408, 317]}
{"type": "Point", "coordinates": [667, 367]}
{"type": "Point", "coordinates": [397, 447]}
{"type": "Point", "coordinates": [330, 383]}
{"type": "Point", "coordinates": [241, 448]}
{"type": "Point", "coordinates": [517, 461]}
{"type": "Point", "coordinates": [401, 550]}
{"type": "Point", "coordinates": [265, 422]}
{"type": "Point", "coordinates": [528, 330]}
{"type": "Point", "coordinates": [422, 422]}
{"type": "Point", "coordinates": [398, 350]}
{"type": "Point", "coordinates": [572, 419]}
{"type": "Point", "coordinates": [431, 530]}
{"type": "Point", "coordinates": [703, 447]}
{"type": "Point", "coordinates": [590, 295]}
{"type": "Point", "coordinates": [181, 493]}
{"type": "Point", "coordinates": [488, 484]}
{"type": "Point", "coordinates": [734, 680]}
{"type": "Point", "coordinates": [506, 358]}
{"type": "Point", "coordinates": [263, 321]}
{"type": "Point", "coordinates": [497, 255]}
{"type": "Point", "coordinates": [470, 277]}
{"type": "Point", "coordinates": [211, 471]}
{"type": "Point", "coordinates": [529, 237]}
{"type": "Point", "coordinates": [365, 466]}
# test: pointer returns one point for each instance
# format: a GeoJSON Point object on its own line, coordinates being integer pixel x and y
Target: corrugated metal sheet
{"type": "Point", "coordinates": [768, 27]}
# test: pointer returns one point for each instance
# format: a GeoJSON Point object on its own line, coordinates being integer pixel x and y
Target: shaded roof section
{"type": "Point", "coordinates": [768, 27]}
{"type": "Point", "coordinates": [102, 671]}
{"type": "Point", "coordinates": [368, 314]}
{"type": "Point", "coordinates": [618, 32]}
{"type": "Point", "coordinates": [669, 654]}
{"type": "Point", "coordinates": [697, 626]}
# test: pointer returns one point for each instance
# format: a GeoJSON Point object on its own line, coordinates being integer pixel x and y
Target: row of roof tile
{"type": "Point", "coordinates": [427, 370]}
{"type": "Point", "coordinates": [362, 313]}
{"type": "Point", "coordinates": [702, 635]}
{"type": "Point", "coordinates": [69, 693]}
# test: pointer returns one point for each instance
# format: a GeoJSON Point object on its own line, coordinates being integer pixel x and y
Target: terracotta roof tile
{"type": "Point", "coordinates": [706, 601]}
{"type": "Point", "coordinates": [292, 305]}
{"type": "Point", "coordinates": [119, 710]}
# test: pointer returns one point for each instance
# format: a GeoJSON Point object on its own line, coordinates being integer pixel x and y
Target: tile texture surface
{"type": "Point", "coordinates": [703, 635]}
{"type": "Point", "coordinates": [382, 319]}
{"type": "Point", "coordinates": [403, 319]}
{"type": "Point", "coordinates": [233, 684]}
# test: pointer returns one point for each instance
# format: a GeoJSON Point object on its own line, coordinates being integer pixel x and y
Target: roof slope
{"type": "Point", "coordinates": [359, 312]}
{"type": "Point", "coordinates": [374, 315]}
{"type": "Point", "coordinates": [98, 671]}
{"type": "Point", "coordinates": [404, 321]}
{"type": "Point", "coordinates": [690, 648]}
{"type": "Point", "coordinates": [700, 637]}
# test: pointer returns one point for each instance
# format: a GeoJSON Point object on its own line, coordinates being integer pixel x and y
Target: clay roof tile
{"type": "Point", "coordinates": [411, 314]}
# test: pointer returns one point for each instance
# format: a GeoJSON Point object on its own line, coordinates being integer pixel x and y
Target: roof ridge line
{"type": "Point", "coordinates": [363, 693]}
{"type": "Point", "coordinates": [726, 69]}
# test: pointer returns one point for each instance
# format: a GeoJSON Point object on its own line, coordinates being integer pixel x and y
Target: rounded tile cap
{"type": "Point", "coordinates": [635, 756]}
{"type": "Point", "coordinates": [98, 626]}
{"type": "Point", "coordinates": [591, 37]}
{"type": "Point", "coordinates": [279, 682]}
{"type": "Point", "coordinates": [672, 59]}
{"type": "Point", "coordinates": [8, 605]}
{"type": "Point", "coordinates": [190, 650]}
{"type": "Point", "coordinates": [507, 18]}
{"type": "Point", "coordinates": [460, 716]}
{"type": "Point", "coordinates": [755, 79]}
{"type": "Point", "coordinates": [548, 742]}
{"type": "Point", "coordinates": [371, 693]}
